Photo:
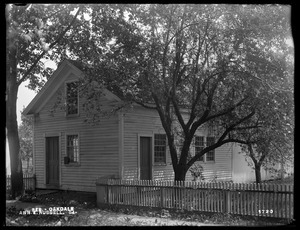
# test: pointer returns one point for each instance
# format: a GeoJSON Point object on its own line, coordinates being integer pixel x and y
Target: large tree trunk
{"type": "Point", "coordinates": [257, 173]}
{"type": "Point", "coordinates": [12, 125]}
{"type": "Point", "coordinates": [257, 164]}
{"type": "Point", "coordinates": [182, 167]}
{"type": "Point", "coordinates": [180, 173]}
{"type": "Point", "coordinates": [14, 148]}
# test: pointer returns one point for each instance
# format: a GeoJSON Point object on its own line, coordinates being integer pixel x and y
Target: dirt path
{"type": "Point", "coordinates": [105, 218]}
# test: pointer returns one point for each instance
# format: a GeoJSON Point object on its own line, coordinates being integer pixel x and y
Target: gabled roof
{"type": "Point", "coordinates": [65, 68]}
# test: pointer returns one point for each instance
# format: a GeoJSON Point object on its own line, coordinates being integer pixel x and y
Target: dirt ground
{"type": "Point", "coordinates": [94, 217]}
{"type": "Point", "coordinates": [85, 213]}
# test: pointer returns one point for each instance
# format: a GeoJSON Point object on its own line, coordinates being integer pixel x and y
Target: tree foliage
{"type": "Point", "coordinates": [34, 30]}
{"type": "Point", "coordinates": [197, 65]}
{"type": "Point", "coordinates": [272, 142]}
{"type": "Point", "coordinates": [34, 33]}
{"type": "Point", "coordinates": [26, 139]}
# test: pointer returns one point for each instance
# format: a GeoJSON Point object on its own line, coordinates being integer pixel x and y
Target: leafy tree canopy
{"type": "Point", "coordinates": [33, 33]}
{"type": "Point", "coordinates": [26, 138]}
{"type": "Point", "coordinates": [196, 65]}
{"type": "Point", "coordinates": [217, 65]}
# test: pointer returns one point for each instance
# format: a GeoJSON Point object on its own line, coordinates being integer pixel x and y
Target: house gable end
{"type": "Point", "coordinates": [62, 74]}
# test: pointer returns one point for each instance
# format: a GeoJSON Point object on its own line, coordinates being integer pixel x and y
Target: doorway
{"type": "Point", "coordinates": [52, 160]}
{"type": "Point", "coordinates": [145, 158]}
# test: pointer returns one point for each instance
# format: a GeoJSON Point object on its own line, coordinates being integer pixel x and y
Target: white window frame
{"type": "Point", "coordinates": [66, 149]}
{"type": "Point", "coordinates": [66, 97]}
{"type": "Point", "coordinates": [203, 157]}
{"type": "Point", "coordinates": [160, 163]}
{"type": "Point", "coordinates": [214, 152]}
{"type": "Point", "coordinates": [204, 146]}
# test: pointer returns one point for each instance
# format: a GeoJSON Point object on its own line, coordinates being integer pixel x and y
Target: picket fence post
{"type": "Point", "coordinates": [244, 199]}
{"type": "Point", "coordinates": [107, 191]}
{"type": "Point", "coordinates": [161, 194]}
{"type": "Point", "coordinates": [34, 181]}
{"type": "Point", "coordinates": [227, 198]}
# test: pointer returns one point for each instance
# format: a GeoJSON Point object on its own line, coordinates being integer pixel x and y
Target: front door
{"type": "Point", "coordinates": [52, 161]}
{"type": "Point", "coordinates": [145, 158]}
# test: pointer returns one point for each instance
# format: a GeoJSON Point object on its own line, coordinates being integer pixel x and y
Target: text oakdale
{"type": "Point", "coordinates": [50, 211]}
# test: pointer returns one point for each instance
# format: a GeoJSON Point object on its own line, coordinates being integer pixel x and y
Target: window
{"type": "Point", "coordinates": [210, 156]}
{"type": "Point", "coordinates": [72, 98]}
{"type": "Point", "coordinates": [199, 146]}
{"type": "Point", "coordinates": [73, 148]}
{"type": "Point", "coordinates": [160, 148]}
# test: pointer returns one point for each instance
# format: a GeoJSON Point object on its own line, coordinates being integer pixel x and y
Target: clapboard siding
{"type": "Point", "coordinates": [141, 121]}
{"type": "Point", "coordinates": [104, 150]}
{"type": "Point", "coordinates": [98, 146]}
{"type": "Point", "coordinates": [221, 169]}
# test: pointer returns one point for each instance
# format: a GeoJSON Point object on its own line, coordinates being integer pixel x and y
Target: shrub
{"type": "Point", "coordinates": [196, 171]}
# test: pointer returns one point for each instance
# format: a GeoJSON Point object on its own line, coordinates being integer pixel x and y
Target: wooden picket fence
{"type": "Point", "coordinates": [267, 200]}
{"type": "Point", "coordinates": [28, 182]}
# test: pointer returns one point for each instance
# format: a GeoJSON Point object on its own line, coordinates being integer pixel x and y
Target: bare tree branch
{"type": "Point", "coordinates": [212, 147]}
{"type": "Point", "coordinates": [204, 116]}
{"type": "Point", "coordinates": [144, 105]}
{"type": "Point", "coordinates": [230, 128]}
{"type": "Point", "coordinates": [178, 114]}
{"type": "Point", "coordinates": [226, 110]}
{"type": "Point", "coordinates": [251, 153]}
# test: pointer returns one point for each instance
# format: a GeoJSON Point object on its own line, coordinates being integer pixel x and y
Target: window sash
{"type": "Point", "coordinates": [199, 146]}
{"type": "Point", "coordinates": [210, 156]}
{"type": "Point", "coordinates": [160, 148]}
{"type": "Point", "coordinates": [73, 148]}
{"type": "Point", "coordinates": [72, 98]}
